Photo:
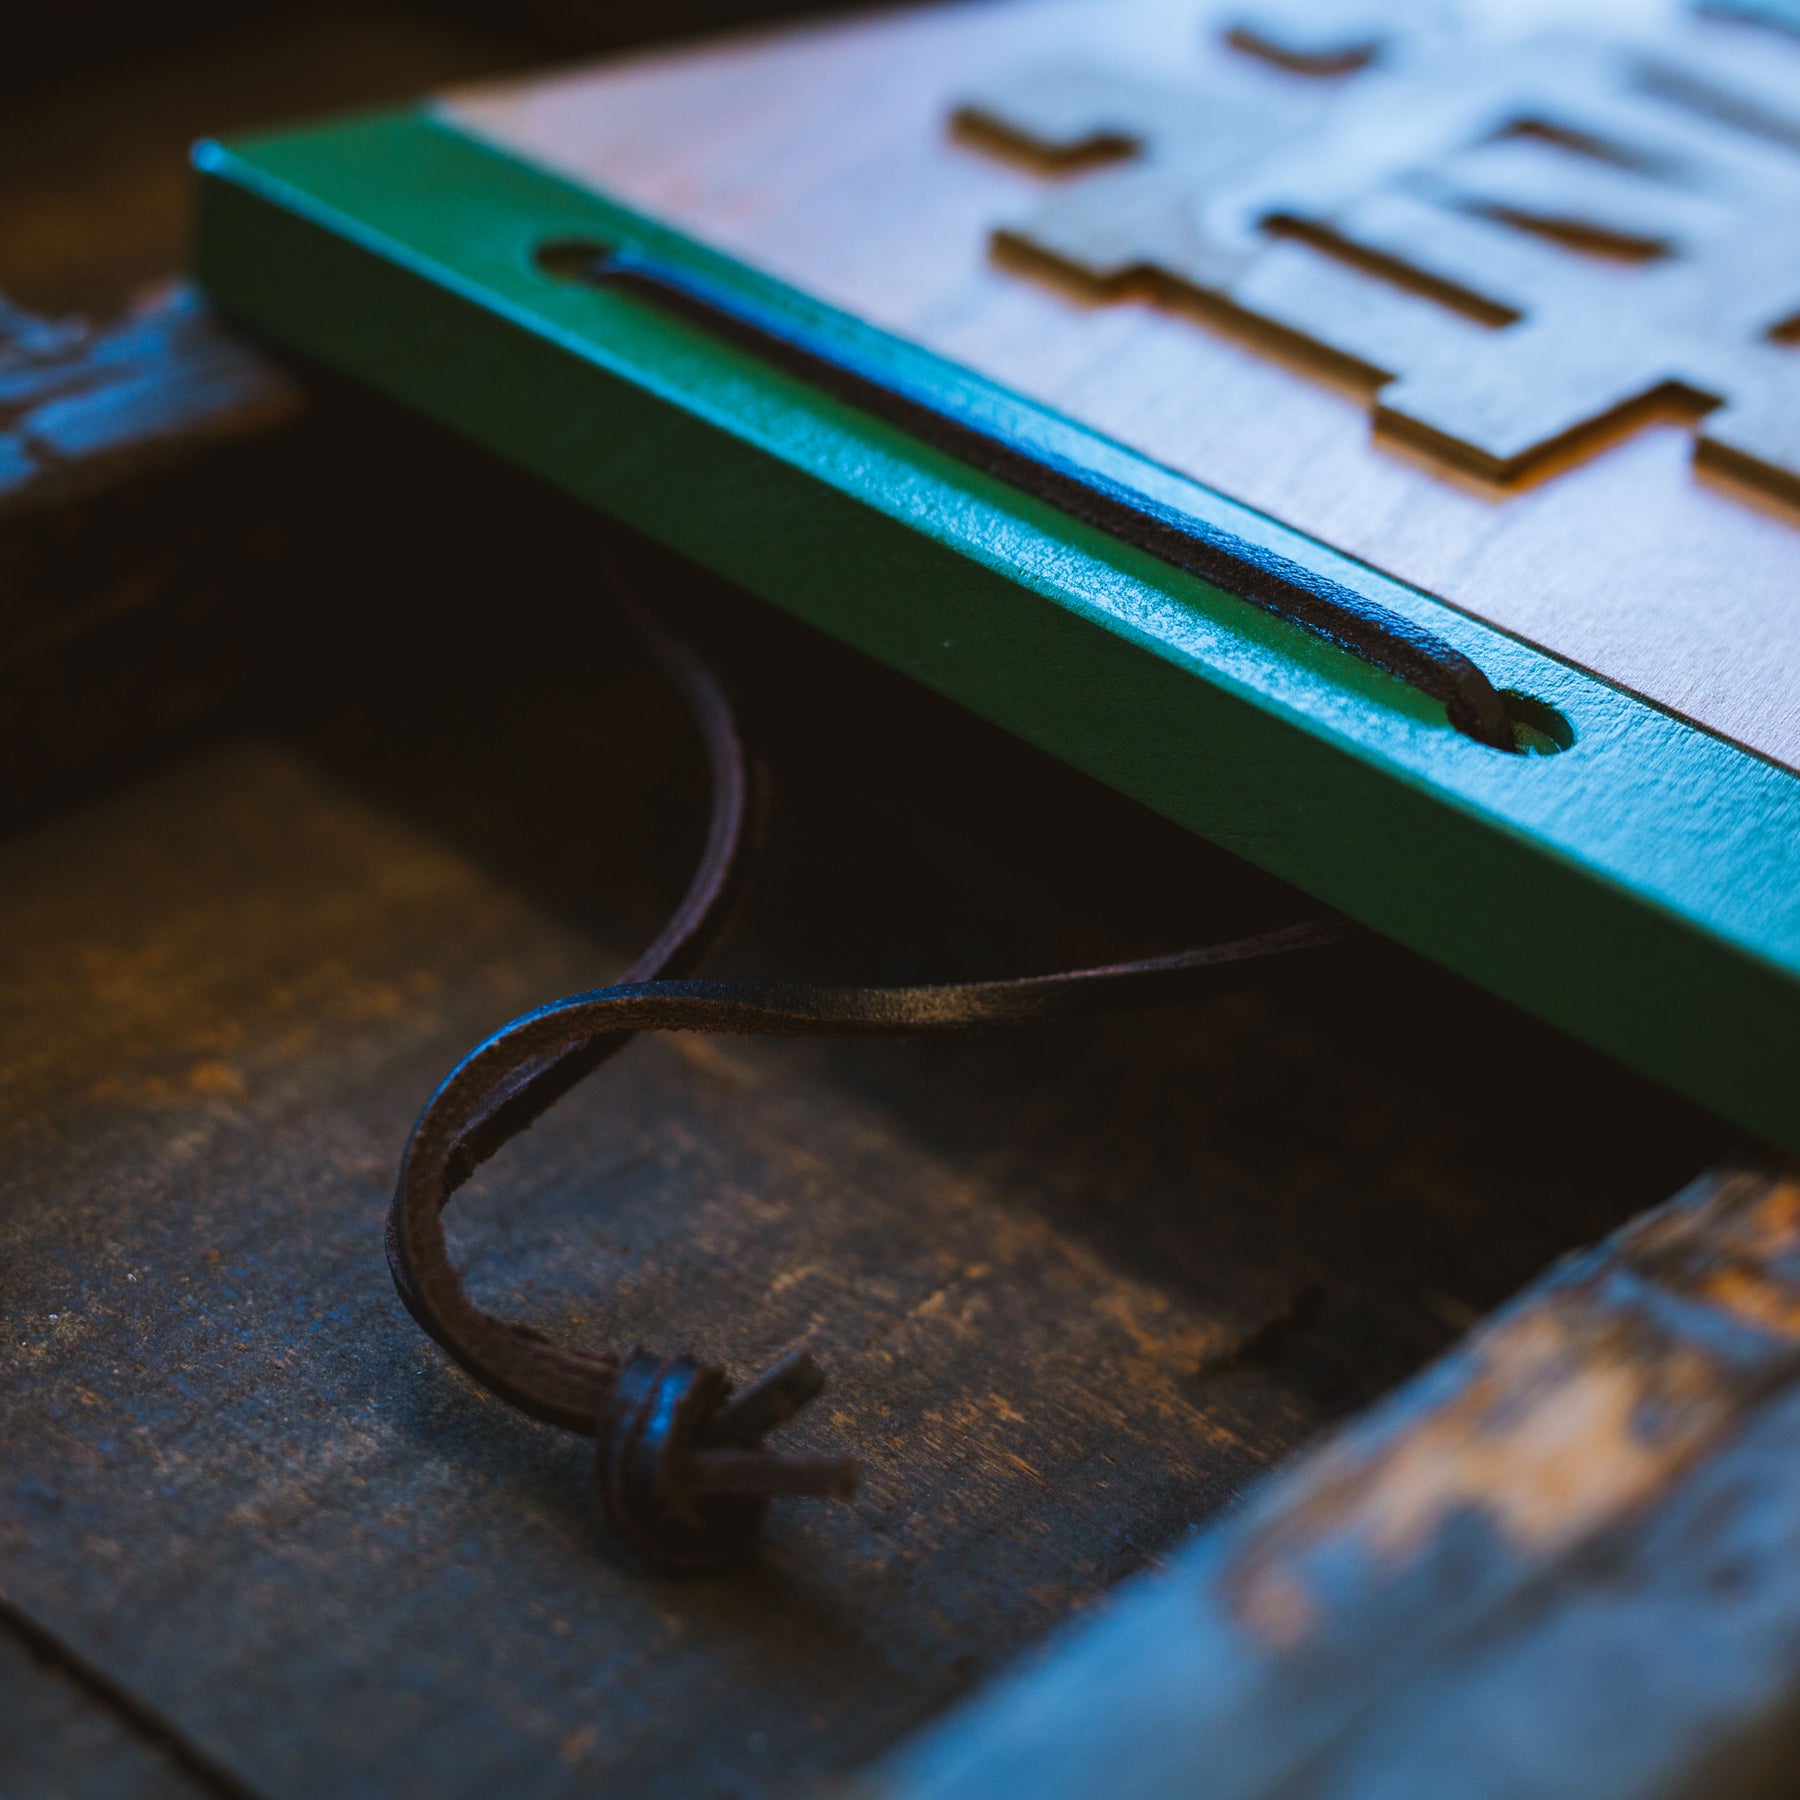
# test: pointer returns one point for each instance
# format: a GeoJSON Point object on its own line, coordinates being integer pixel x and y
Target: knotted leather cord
{"type": "Point", "coordinates": [503, 1085]}
{"type": "Point", "coordinates": [1275, 583]}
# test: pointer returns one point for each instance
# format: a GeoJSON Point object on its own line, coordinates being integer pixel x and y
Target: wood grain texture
{"type": "Point", "coordinates": [230, 1451]}
{"type": "Point", "coordinates": [85, 408]}
{"type": "Point", "coordinates": [1077, 1288]}
{"type": "Point", "coordinates": [58, 1738]}
{"type": "Point", "coordinates": [824, 155]}
{"type": "Point", "coordinates": [142, 493]}
{"type": "Point", "coordinates": [228, 989]}
{"type": "Point", "coordinates": [1564, 1563]}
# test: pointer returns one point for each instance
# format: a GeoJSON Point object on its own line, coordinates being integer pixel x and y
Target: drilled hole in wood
{"type": "Point", "coordinates": [1538, 728]}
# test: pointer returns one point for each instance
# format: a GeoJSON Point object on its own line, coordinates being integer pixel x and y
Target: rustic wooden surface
{"type": "Point", "coordinates": [137, 481]}
{"type": "Point", "coordinates": [137, 461]}
{"type": "Point", "coordinates": [86, 408]}
{"type": "Point", "coordinates": [1076, 1288]}
{"type": "Point", "coordinates": [1567, 1561]}
{"type": "Point", "coordinates": [57, 1736]}
{"type": "Point", "coordinates": [256, 1538]}
{"type": "Point", "coordinates": [825, 155]}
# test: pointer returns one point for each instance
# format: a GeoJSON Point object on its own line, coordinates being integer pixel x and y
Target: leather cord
{"type": "Point", "coordinates": [682, 1469]}
{"type": "Point", "coordinates": [1329, 609]}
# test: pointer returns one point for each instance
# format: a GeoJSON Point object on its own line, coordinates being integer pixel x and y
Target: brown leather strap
{"type": "Point", "coordinates": [675, 1423]}
{"type": "Point", "coordinates": [505, 1084]}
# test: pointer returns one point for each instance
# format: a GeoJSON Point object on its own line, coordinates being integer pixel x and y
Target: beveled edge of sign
{"type": "Point", "coordinates": [1640, 889]}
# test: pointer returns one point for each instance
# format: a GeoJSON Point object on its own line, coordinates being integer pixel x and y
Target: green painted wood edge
{"type": "Point", "coordinates": [1641, 889]}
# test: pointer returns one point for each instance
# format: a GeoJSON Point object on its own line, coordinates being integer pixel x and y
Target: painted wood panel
{"type": "Point", "coordinates": [826, 156]}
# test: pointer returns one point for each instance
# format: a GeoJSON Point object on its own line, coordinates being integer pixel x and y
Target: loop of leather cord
{"type": "Point", "coordinates": [506, 1083]}
{"type": "Point", "coordinates": [502, 1087]}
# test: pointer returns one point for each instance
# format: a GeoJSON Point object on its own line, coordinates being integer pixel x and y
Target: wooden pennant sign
{"type": "Point", "coordinates": [1241, 403]}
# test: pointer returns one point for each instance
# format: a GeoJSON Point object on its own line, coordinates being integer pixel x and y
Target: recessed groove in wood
{"type": "Point", "coordinates": [1614, 558]}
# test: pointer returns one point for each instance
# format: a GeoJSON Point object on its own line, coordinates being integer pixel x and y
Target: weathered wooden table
{"type": "Point", "coordinates": [322, 761]}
